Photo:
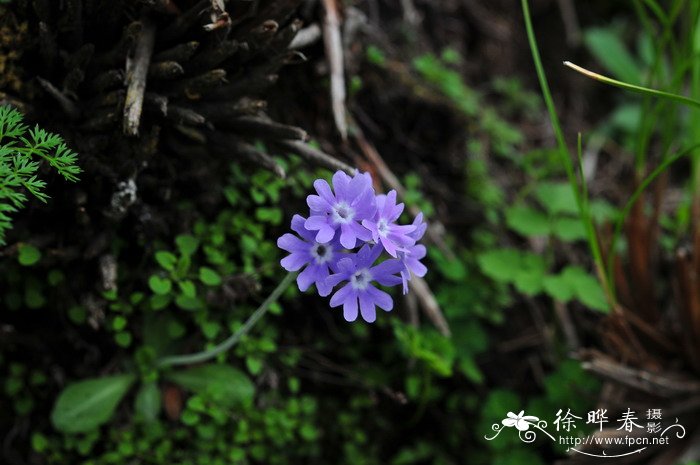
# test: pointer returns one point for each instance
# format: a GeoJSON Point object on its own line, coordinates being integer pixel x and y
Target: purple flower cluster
{"type": "Point", "coordinates": [348, 228]}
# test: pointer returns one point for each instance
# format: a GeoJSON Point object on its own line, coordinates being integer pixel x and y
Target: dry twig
{"type": "Point", "coordinates": [136, 72]}
{"type": "Point", "coordinates": [334, 53]}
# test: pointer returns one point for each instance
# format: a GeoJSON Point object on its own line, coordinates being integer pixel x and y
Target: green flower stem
{"type": "Point", "coordinates": [631, 87]}
{"type": "Point", "coordinates": [565, 154]}
{"type": "Point", "coordinates": [235, 337]}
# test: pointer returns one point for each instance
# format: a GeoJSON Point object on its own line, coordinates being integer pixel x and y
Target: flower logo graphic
{"type": "Point", "coordinates": [521, 421]}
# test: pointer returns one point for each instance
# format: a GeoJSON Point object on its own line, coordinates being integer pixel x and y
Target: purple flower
{"type": "Point", "coordinates": [411, 264]}
{"type": "Point", "coordinates": [317, 257]}
{"type": "Point", "coordinates": [352, 202]}
{"type": "Point", "coordinates": [420, 225]}
{"type": "Point", "coordinates": [349, 215]}
{"type": "Point", "coordinates": [410, 258]}
{"type": "Point", "coordinates": [359, 272]}
{"type": "Point", "coordinates": [383, 226]}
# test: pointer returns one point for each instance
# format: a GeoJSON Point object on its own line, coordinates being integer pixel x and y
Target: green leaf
{"type": "Point", "coordinates": [118, 323]}
{"type": "Point", "coordinates": [308, 432]}
{"type": "Point", "coordinates": [211, 329]}
{"type": "Point", "coordinates": [499, 264]}
{"type": "Point", "coordinates": [209, 276]}
{"type": "Point", "coordinates": [626, 117]}
{"type": "Point", "coordinates": [569, 229]}
{"type": "Point", "coordinates": [254, 364]}
{"type": "Point", "coordinates": [159, 285]}
{"type": "Point", "coordinates": [558, 288]}
{"type": "Point", "coordinates": [87, 404]}
{"type": "Point", "coordinates": [269, 215]}
{"type": "Point", "coordinates": [28, 255]}
{"type": "Point", "coordinates": [471, 370]}
{"type": "Point", "coordinates": [188, 288]}
{"type": "Point", "coordinates": [575, 282]}
{"type": "Point", "coordinates": [186, 244]}
{"type": "Point", "coordinates": [602, 211]}
{"type": "Point", "coordinates": [527, 221]}
{"type": "Point", "coordinates": [147, 402]}
{"type": "Point", "coordinates": [39, 442]}
{"type": "Point", "coordinates": [155, 335]}
{"type": "Point", "coordinates": [166, 260]}
{"type": "Point", "coordinates": [55, 277]}
{"type": "Point", "coordinates": [375, 55]}
{"type": "Point", "coordinates": [175, 329]}
{"type": "Point", "coordinates": [123, 339]}
{"type": "Point", "coordinates": [222, 383]}
{"type": "Point", "coordinates": [77, 314]}
{"type": "Point", "coordinates": [557, 197]}
{"type": "Point", "coordinates": [188, 303]}
{"type": "Point", "coordinates": [159, 302]}
{"type": "Point", "coordinates": [452, 268]}
{"type": "Point", "coordinates": [183, 267]}
{"type": "Point", "coordinates": [33, 295]}
{"type": "Point", "coordinates": [607, 47]}
{"type": "Point", "coordinates": [530, 273]}
{"type": "Point", "coordinates": [586, 288]}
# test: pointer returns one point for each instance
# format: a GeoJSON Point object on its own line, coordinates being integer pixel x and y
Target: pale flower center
{"type": "Point", "coordinates": [361, 279]}
{"type": "Point", "coordinates": [343, 213]}
{"type": "Point", "coordinates": [383, 227]}
{"type": "Point", "coordinates": [321, 253]}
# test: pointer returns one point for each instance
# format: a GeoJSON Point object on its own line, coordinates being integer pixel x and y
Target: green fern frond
{"type": "Point", "coordinates": [22, 151]}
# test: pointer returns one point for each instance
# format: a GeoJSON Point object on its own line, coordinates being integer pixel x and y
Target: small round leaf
{"type": "Point", "coordinates": [209, 276]}
{"type": "Point", "coordinates": [28, 255]}
{"type": "Point", "coordinates": [160, 286]}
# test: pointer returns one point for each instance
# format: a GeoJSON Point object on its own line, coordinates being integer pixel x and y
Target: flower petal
{"type": "Point", "coordinates": [324, 287]}
{"type": "Point", "coordinates": [294, 261]}
{"type": "Point", "coordinates": [389, 205]}
{"type": "Point", "coordinates": [402, 229]}
{"type": "Point", "coordinates": [298, 227]}
{"type": "Point", "coordinates": [306, 278]}
{"type": "Point", "coordinates": [396, 212]}
{"type": "Point", "coordinates": [368, 255]}
{"type": "Point", "coordinates": [341, 295]}
{"type": "Point", "coordinates": [365, 205]}
{"type": "Point", "coordinates": [380, 298]}
{"type": "Point", "coordinates": [335, 279]}
{"type": "Point", "coordinates": [316, 222]}
{"type": "Point", "coordinates": [380, 201]}
{"type": "Point", "coordinates": [347, 265]}
{"type": "Point", "coordinates": [405, 278]}
{"type": "Point", "coordinates": [341, 183]}
{"type": "Point", "coordinates": [325, 234]}
{"type": "Point", "coordinates": [371, 226]}
{"type": "Point", "coordinates": [389, 246]}
{"type": "Point", "coordinates": [350, 308]}
{"type": "Point", "coordinates": [416, 267]}
{"type": "Point", "coordinates": [420, 227]}
{"type": "Point", "coordinates": [367, 308]}
{"type": "Point", "coordinates": [418, 251]}
{"type": "Point", "coordinates": [347, 236]}
{"type": "Point", "coordinates": [324, 190]}
{"type": "Point", "coordinates": [292, 243]}
{"type": "Point", "coordinates": [317, 203]}
{"type": "Point", "coordinates": [361, 232]}
{"type": "Point", "coordinates": [385, 272]}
